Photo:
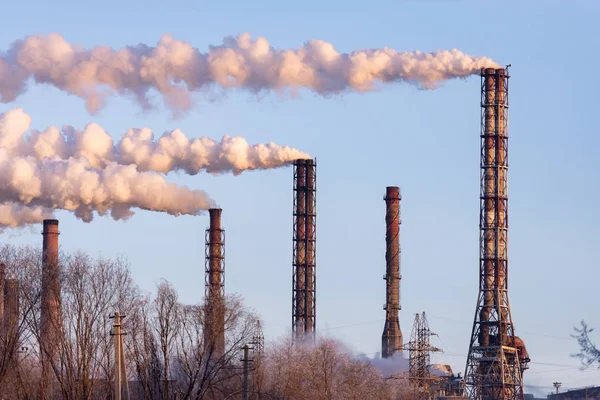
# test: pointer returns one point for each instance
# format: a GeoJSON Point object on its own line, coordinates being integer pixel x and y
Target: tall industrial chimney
{"type": "Point", "coordinates": [215, 284]}
{"type": "Point", "coordinates": [2, 283]}
{"type": "Point", "coordinates": [497, 358]}
{"type": "Point", "coordinates": [50, 317]}
{"type": "Point", "coordinates": [304, 298]}
{"type": "Point", "coordinates": [391, 340]}
{"type": "Point", "coordinates": [11, 312]}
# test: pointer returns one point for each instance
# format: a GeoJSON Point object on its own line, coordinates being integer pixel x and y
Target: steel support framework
{"type": "Point", "coordinates": [304, 280]}
{"type": "Point", "coordinates": [494, 369]}
{"type": "Point", "coordinates": [419, 354]}
{"type": "Point", "coordinates": [215, 283]}
{"type": "Point", "coordinates": [258, 339]}
{"type": "Point", "coordinates": [391, 339]}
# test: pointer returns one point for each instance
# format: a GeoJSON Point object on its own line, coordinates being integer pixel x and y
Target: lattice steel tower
{"type": "Point", "coordinates": [304, 298]}
{"type": "Point", "coordinates": [496, 357]}
{"type": "Point", "coordinates": [419, 353]}
{"type": "Point", "coordinates": [215, 284]}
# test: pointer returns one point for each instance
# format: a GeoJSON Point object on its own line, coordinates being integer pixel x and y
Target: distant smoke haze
{"type": "Point", "coordinates": [176, 69]}
{"type": "Point", "coordinates": [395, 365]}
{"type": "Point", "coordinates": [85, 173]}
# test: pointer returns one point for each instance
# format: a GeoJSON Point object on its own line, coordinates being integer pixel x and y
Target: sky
{"type": "Point", "coordinates": [425, 141]}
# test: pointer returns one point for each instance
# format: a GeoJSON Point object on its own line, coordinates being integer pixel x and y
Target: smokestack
{"type": "Point", "coordinates": [50, 300]}
{"type": "Point", "coordinates": [304, 258]}
{"type": "Point", "coordinates": [11, 311]}
{"type": "Point", "coordinates": [2, 283]}
{"type": "Point", "coordinates": [497, 358]}
{"type": "Point", "coordinates": [215, 284]}
{"type": "Point", "coordinates": [391, 340]}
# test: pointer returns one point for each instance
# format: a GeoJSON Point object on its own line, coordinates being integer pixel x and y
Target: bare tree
{"type": "Point", "coordinates": [201, 371]}
{"type": "Point", "coordinates": [168, 350]}
{"type": "Point", "coordinates": [325, 370]}
{"type": "Point", "coordinates": [142, 351]}
{"type": "Point", "coordinates": [22, 290]}
{"type": "Point", "coordinates": [91, 289]}
{"type": "Point", "coordinates": [589, 354]}
{"type": "Point", "coordinates": [166, 318]}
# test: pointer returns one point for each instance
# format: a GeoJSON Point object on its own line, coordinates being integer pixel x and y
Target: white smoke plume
{"type": "Point", "coordinates": [75, 186]}
{"type": "Point", "coordinates": [176, 69]}
{"type": "Point", "coordinates": [173, 151]}
{"type": "Point", "coordinates": [13, 215]}
{"type": "Point", "coordinates": [85, 172]}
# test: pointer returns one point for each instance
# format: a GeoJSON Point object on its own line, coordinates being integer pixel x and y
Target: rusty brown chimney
{"type": "Point", "coordinates": [2, 283]}
{"type": "Point", "coordinates": [50, 300]}
{"type": "Point", "coordinates": [11, 310]}
{"type": "Point", "coordinates": [215, 284]}
{"type": "Point", "coordinates": [391, 340]}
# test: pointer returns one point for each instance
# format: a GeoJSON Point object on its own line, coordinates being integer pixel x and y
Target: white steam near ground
{"type": "Point", "coordinates": [86, 173]}
{"type": "Point", "coordinates": [176, 69]}
{"type": "Point", "coordinates": [395, 365]}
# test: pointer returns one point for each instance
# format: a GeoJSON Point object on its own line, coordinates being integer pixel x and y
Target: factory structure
{"type": "Point", "coordinates": [497, 358]}
{"type": "Point", "coordinates": [304, 268]}
{"type": "Point", "coordinates": [391, 340]}
{"type": "Point", "coordinates": [215, 285]}
{"type": "Point", "coordinates": [50, 311]}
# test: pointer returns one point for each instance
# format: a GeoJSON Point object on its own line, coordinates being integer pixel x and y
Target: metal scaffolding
{"type": "Point", "coordinates": [304, 254]}
{"type": "Point", "coordinates": [419, 354]}
{"type": "Point", "coordinates": [496, 357]}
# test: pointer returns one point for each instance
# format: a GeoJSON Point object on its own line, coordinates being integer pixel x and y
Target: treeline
{"type": "Point", "coordinates": [166, 351]}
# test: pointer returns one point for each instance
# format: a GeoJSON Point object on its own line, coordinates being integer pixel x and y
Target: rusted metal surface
{"type": "Point", "coordinates": [11, 310]}
{"type": "Point", "coordinates": [50, 281]}
{"type": "Point", "coordinates": [2, 283]}
{"type": "Point", "coordinates": [50, 317]}
{"type": "Point", "coordinates": [215, 284]}
{"type": "Point", "coordinates": [304, 257]}
{"type": "Point", "coordinates": [495, 365]}
{"type": "Point", "coordinates": [391, 340]}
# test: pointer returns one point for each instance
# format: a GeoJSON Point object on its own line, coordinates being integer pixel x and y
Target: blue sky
{"type": "Point", "coordinates": [426, 142]}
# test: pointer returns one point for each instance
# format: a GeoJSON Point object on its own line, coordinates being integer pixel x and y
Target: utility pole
{"type": "Point", "coordinates": [557, 386]}
{"type": "Point", "coordinates": [120, 368]}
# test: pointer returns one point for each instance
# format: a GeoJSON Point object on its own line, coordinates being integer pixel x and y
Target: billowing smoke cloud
{"type": "Point", "coordinates": [85, 173]}
{"type": "Point", "coordinates": [171, 152]}
{"type": "Point", "coordinates": [175, 69]}
{"type": "Point", "coordinates": [75, 186]}
{"type": "Point", "coordinates": [13, 215]}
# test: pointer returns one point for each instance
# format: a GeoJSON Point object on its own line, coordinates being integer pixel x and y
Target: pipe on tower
{"type": "Point", "coordinates": [304, 258]}
{"type": "Point", "coordinates": [489, 211]}
{"type": "Point", "coordinates": [215, 284]}
{"type": "Point", "coordinates": [495, 363]}
{"type": "Point", "coordinates": [391, 340]}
